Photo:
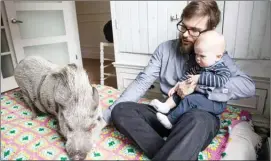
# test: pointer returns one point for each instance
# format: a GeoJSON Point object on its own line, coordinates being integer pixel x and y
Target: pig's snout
{"type": "Point", "coordinates": [79, 156]}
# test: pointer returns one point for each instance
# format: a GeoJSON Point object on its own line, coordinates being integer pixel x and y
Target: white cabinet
{"type": "Point", "coordinates": [247, 29]}
{"type": "Point", "coordinates": [140, 26]}
{"type": "Point", "coordinates": [127, 74]}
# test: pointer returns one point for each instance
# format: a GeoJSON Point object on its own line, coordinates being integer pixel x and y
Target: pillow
{"type": "Point", "coordinates": [243, 142]}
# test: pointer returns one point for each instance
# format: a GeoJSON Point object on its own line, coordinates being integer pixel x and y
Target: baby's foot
{"type": "Point", "coordinates": [164, 120]}
{"type": "Point", "coordinates": [159, 106]}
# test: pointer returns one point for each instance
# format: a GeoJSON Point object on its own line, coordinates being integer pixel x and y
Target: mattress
{"type": "Point", "coordinates": [26, 139]}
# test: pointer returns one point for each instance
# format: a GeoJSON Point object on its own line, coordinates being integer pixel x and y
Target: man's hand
{"type": "Point", "coordinates": [173, 90]}
{"type": "Point", "coordinates": [193, 79]}
{"type": "Point", "coordinates": [185, 89]}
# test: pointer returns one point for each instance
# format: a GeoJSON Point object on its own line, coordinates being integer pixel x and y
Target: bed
{"type": "Point", "coordinates": [26, 139]}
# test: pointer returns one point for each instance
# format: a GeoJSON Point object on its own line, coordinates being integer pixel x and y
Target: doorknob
{"type": "Point", "coordinates": [16, 21]}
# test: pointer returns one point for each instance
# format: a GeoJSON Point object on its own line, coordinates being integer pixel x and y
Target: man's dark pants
{"type": "Point", "coordinates": [192, 133]}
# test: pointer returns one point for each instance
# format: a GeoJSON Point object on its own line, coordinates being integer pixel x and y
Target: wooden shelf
{"type": "Point", "coordinates": [5, 53]}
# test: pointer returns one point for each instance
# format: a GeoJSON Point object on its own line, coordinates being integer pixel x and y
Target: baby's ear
{"type": "Point", "coordinates": [219, 56]}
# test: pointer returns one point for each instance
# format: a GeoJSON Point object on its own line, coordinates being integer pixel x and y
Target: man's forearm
{"type": "Point", "coordinates": [136, 89]}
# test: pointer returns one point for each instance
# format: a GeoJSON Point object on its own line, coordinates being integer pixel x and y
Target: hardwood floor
{"type": "Point", "coordinates": [92, 66]}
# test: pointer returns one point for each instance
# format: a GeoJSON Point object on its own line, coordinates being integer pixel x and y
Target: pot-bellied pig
{"type": "Point", "coordinates": [66, 93]}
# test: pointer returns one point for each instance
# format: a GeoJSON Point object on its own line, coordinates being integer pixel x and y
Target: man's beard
{"type": "Point", "coordinates": [186, 49]}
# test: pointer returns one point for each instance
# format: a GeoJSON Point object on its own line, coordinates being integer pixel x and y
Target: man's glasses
{"type": "Point", "coordinates": [193, 32]}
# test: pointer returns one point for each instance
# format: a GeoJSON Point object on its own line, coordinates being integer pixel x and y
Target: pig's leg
{"type": "Point", "coordinates": [30, 104]}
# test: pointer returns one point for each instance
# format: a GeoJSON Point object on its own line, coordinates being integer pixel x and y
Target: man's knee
{"type": "Point", "coordinates": [119, 111]}
{"type": "Point", "coordinates": [116, 112]}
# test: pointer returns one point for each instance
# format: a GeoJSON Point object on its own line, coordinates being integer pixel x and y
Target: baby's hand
{"type": "Point", "coordinates": [193, 79]}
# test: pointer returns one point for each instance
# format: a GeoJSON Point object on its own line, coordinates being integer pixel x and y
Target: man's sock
{"type": "Point", "coordinates": [159, 106]}
{"type": "Point", "coordinates": [164, 120]}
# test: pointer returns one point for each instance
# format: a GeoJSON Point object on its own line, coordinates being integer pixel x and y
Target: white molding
{"type": "Point", "coordinates": [128, 66]}
{"type": "Point", "coordinates": [261, 79]}
{"type": "Point", "coordinates": [44, 40]}
{"type": "Point", "coordinates": [5, 53]}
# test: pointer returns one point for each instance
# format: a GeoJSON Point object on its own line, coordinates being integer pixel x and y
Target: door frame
{"type": "Point", "coordinates": [9, 82]}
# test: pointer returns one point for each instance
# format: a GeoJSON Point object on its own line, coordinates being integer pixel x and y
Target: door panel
{"type": "Point", "coordinates": [46, 29]}
{"type": "Point", "coordinates": [7, 68]}
{"type": "Point", "coordinates": [4, 41]}
{"type": "Point", "coordinates": [48, 51]}
{"type": "Point", "coordinates": [41, 23]}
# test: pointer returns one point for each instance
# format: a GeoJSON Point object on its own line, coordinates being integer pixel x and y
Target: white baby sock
{"type": "Point", "coordinates": [159, 106]}
{"type": "Point", "coordinates": [164, 120]}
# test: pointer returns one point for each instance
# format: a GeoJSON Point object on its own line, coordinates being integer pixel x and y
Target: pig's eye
{"type": "Point", "coordinates": [69, 128]}
{"type": "Point", "coordinates": [91, 127]}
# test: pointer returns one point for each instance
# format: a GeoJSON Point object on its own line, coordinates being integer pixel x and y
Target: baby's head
{"type": "Point", "coordinates": [209, 48]}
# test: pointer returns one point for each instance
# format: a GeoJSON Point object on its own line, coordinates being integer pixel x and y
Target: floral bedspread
{"type": "Point", "coordinates": [26, 139]}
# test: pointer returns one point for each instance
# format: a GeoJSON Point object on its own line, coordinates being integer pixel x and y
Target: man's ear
{"type": "Point", "coordinates": [218, 57]}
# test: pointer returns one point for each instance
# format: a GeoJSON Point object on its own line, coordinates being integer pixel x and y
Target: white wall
{"type": "Point", "coordinates": [92, 16]}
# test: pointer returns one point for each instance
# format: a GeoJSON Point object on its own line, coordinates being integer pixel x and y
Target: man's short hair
{"type": "Point", "coordinates": [203, 8]}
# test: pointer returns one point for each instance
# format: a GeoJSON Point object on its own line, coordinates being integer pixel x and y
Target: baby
{"type": "Point", "coordinates": [210, 72]}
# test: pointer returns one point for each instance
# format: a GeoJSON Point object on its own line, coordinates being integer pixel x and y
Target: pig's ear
{"type": "Point", "coordinates": [61, 94]}
{"type": "Point", "coordinates": [72, 66]}
{"type": "Point", "coordinates": [95, 95]}
{"type": "Point", "coordinates": [62, 72]}
{"type": "Point", "coordinates": [61, 90]}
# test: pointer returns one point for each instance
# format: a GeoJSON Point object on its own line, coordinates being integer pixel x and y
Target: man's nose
{"type": "Point", "coordinates": [186, 34]}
